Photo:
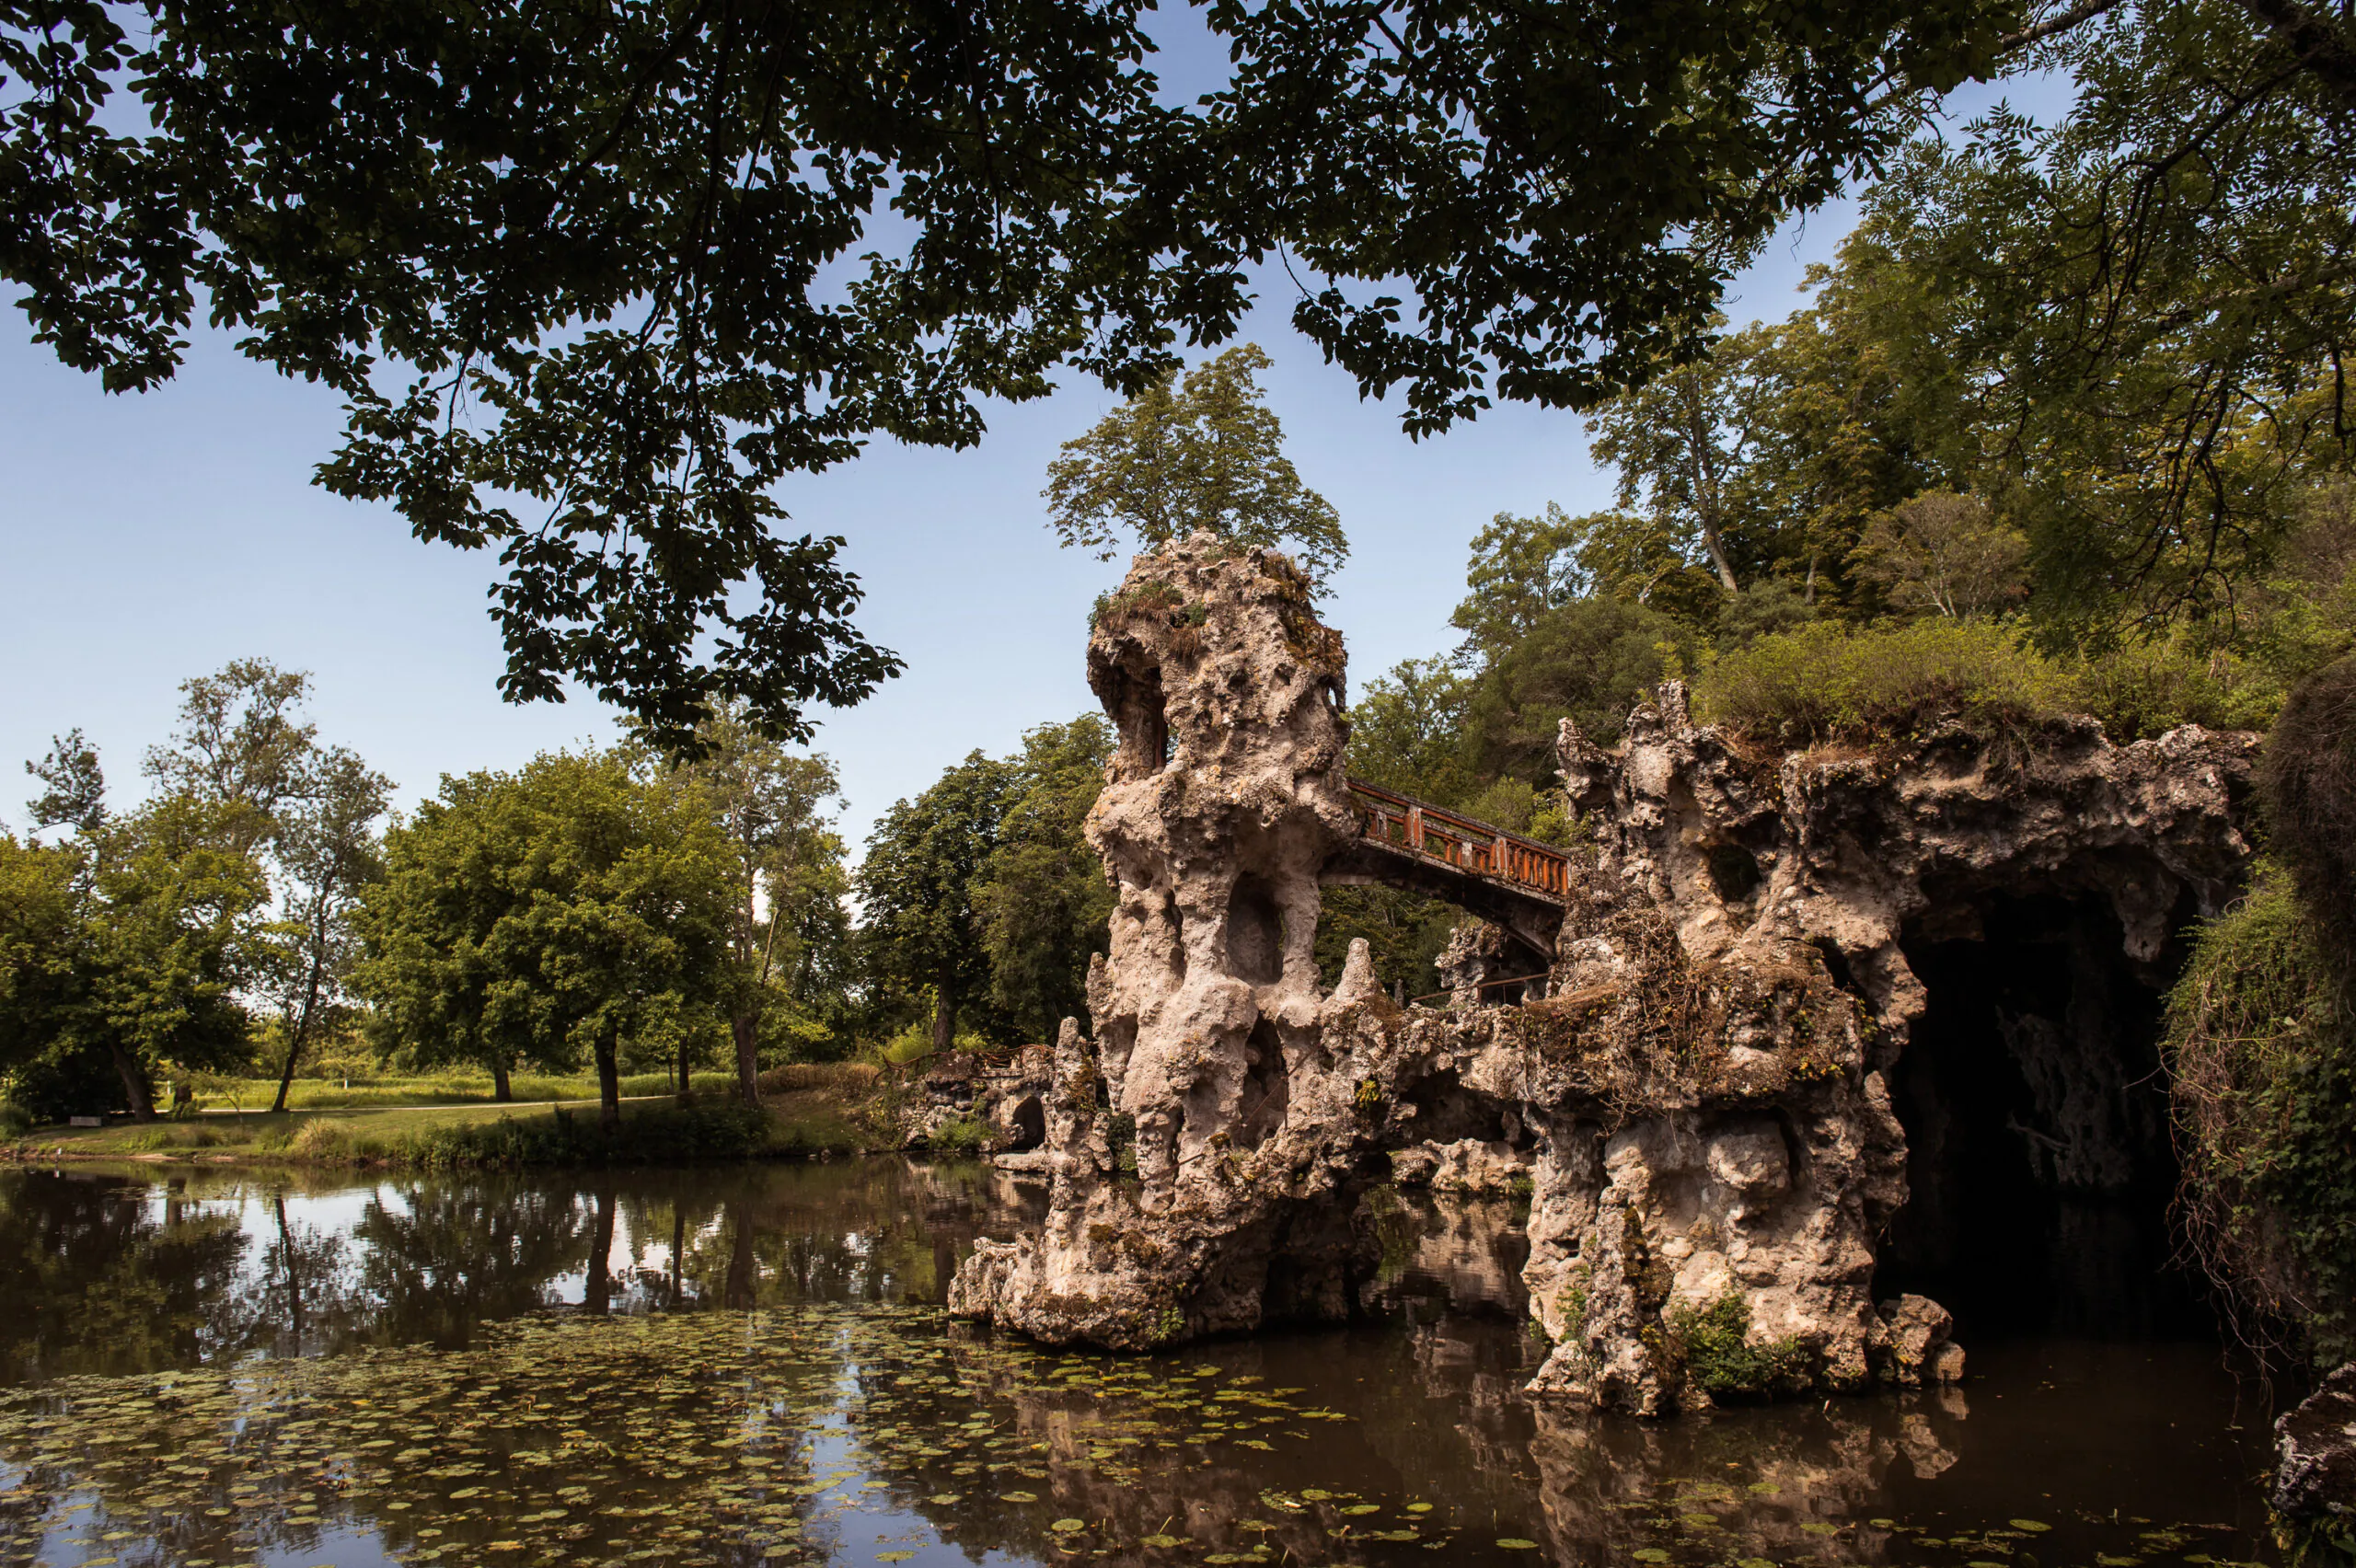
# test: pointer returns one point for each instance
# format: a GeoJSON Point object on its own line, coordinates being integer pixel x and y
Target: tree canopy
{"type": "Point", "coordinates": [590, 277]}
{"type": "Point", "coordinates": [571, 911]}
{"type": "Point", "coordinates": [917, 885]}
{"type": "Point", "coordinates": [786, 922]}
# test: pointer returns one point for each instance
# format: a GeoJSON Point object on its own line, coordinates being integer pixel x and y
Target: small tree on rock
{"type": "Point", "coordinates": [1199, 453]}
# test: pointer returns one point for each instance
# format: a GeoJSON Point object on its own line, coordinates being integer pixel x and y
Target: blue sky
{"type": "Point", "coordinates": [150, 538]}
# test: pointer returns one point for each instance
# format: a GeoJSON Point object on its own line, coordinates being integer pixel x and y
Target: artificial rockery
{"type": "Point", "coordinates": [1700, 1095]}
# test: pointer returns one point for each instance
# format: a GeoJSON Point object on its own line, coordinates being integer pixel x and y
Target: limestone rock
{"type": "Point", "coordinates": [1004, 1092]}
{"type": "Point", "coordinates": [2314, 1475]}
{"type": "Point", "coordinates": [1912, 1346]}
{"type": "Point", "coordinates": [1468, 1167]}
{"type": "Point", "coordinates": [1697, 1089]}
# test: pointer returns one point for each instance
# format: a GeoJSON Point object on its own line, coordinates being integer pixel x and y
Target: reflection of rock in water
{"type": "Point", "coordinates": [1444, 1420]}
{"type": "Point", "coordinates": [1756, 1483]}
{"type": "Point", "coordinates": [1427, 1254]}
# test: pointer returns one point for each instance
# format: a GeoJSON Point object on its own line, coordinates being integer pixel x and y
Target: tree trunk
{"type": "Point", "coordinates": [1719, 560]}
{"type": "Point", "coordinates": [597, 1287]}
{"type": "Point", "coordinates": [678, 1248]}
{"type": "Point", "coordinates": [738, 1294]}
{"type": "Point", "coordinates": [500, 1091]}
{"type": "Point", "coordinates": [746, 1029]}
{"type": "Point", "coordinates": [298, 1033]}
{"type": "Point", "coordinates": [945, 1021]}
{"type": "Point", "coordinates": [294, 1278]}
{"type": "Point", "coordinates": [286, 1073]}
{"type": "Point", "coordinates": [609, 1087]}
{"type": "Point", "coordinates": [687, 1085]}
{"type": "Point", "coordinates": [134, 1082]}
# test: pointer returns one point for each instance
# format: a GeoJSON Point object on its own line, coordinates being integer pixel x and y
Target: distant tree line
{"type": "Point", "coordinates": [611, 911]}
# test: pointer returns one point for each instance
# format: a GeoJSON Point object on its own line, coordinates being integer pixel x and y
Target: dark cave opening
{"type": "Point", "coordinates": [1028, 1124]}
{"type": "Point", "coordinates": [2035, 1110]}
{"type": "Point", "coordinates": [1255, 932]}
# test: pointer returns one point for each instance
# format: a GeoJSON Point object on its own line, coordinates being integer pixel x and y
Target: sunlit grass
{"type": "Point", "coordinates": [820, 1108]}
{"type": "Point", "coordinates": [440, 1089]}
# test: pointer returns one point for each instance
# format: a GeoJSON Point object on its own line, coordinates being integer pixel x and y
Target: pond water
{"type": "Point", "coordinates": [750, 1367]}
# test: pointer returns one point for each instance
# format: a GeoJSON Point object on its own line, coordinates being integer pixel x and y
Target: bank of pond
{"type": "Point", "coordinates": [824, 1111]}
{"type": "Point", "coordinates": [749, 1364]}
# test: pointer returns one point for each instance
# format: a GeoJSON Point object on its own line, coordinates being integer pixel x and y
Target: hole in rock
{"type": "Point", "coordinates": [1406, 932]}
{"type": "Point", "coordinates": [1446, 1111]}
{"type": "Point", "coordinates": [1734, 871]}
{"type": "Point", "coordinates": [1140, 713]}
{"type": "Point", "coordinates": [2036, 1113]}
{"type": "Point", "coordinates": [1255, 932]}
{"type": "Point", "coordinates": [1836, 964]}
{"type": "Point", "coordinates": [1028, 1124]}
{"type": "Point", "coordinates": [1267, 1089]}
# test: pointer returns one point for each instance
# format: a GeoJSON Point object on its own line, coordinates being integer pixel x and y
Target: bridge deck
{"type": "Point", "coordinates": [1404, 825]}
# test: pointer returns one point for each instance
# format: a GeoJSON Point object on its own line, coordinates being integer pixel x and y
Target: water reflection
{"type": "Point", "coordinates": [121, 1273]}
{"type": "Point", "coordinates": [745, 1367]}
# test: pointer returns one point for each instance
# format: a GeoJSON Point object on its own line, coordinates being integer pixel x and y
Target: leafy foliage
{"type": "Point", "coordinates": [1201, 454]}
{"type": "Point", "coordinates": [916, 887]}
{"type": "Point", "coordinates": [1041, 895]}
{"type": "Point", "coordinates": [571, 908]}
{"type": "Point", "coordinates": [1945, 554]}
{"type": "Point", "coordinates": [1720, 1356]}
{"type": "Point", "coordinates": [2146, 296]}
{"type": "Point", "coordinates": [788, 933]}
{"type": "Point", "coordinates": [1827, 681]}
{"type": "Point", "coordinates": [2261, 1050]}
{"type": "Point", "coordinates": [327, 854]}
{"type": "Point", "coordinates": [592, 279]}
{"type": "Point", "coordinates": [2308, 781]}
{"type": "Point", "coordinates": [135, 937]}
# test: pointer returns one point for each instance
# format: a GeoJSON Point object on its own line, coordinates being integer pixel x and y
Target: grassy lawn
{"type": "Point", "coordinates": [258, 1133]}
{"type": "Point", "coordinates": [809, 1110]}
{"type": "Point", "coordinates": [440, 1089]}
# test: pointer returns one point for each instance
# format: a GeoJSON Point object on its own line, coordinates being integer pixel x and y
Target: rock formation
{"type": "Point", "coordinates": [2315, 1473]}
{"type": "Point", "coordinates": [1701, 1093]}
{"type": "Point", "coordinates": [998, 1103]}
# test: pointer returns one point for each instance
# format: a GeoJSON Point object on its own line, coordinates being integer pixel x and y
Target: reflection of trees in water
{"type": "Point", "coordinates": [303, 1300]}
{"type": "Point", "coordinates": [436, 1258]}
{"type": "Point", "coordinates": [110, 1274]}
{"type": "Point", "coordinates": [96, 1277]}
{"type": "Point", "coordinates": [873, 1230]}
{"type": "Point", "coordinates": [1772, 1484]}
{"type": "Point", "coordinates": [1422, 1256]}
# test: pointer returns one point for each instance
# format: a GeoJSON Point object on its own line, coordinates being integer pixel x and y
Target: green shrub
{"type": "Point", "coordinates": [1826, 681]}
{"type": "Point", "coordinates": [819, 1135]}
{"type": "Point", "coordinates": [2148, 688]}
{"type": "Point", "coordinates": [794, 1078]}
{"type": "Point", "coordinates": [911, 1044]}
{"type": "Point", "coordinates": [332, 1143]}
{"type": "Point", "coordinates": [2261, 1051]}
{"type": "Point", "coordinates": [721, 1130]}
{"type": "Point", "coordinates": [2307, 780]}
{"type": "Point", "coordinates": [456, 1087]}
{"type": "Point", "coordinates": [961, 1135]}
{"type": "Point", "coordinates": [166, 1136]}
{"type": "Point", "coordinates": [1121, 1134]}
{"type": "Point", "coordinates": [1719, 1355]}
{"type": "Point", "coordinates": [15, 1120]}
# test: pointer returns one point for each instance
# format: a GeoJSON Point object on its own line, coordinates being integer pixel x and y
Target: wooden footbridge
{"type": "Point", "coordinates": [1517, 883]}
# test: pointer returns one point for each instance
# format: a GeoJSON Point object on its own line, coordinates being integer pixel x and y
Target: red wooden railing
{"type": "Point", "coordinates": [1405, 822]}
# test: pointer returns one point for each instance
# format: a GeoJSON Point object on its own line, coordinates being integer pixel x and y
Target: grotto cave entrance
{"type": "Point", "coordinates": [2036, 1110]}
{"type": "Point", "coordinates": [1027, 1126]}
